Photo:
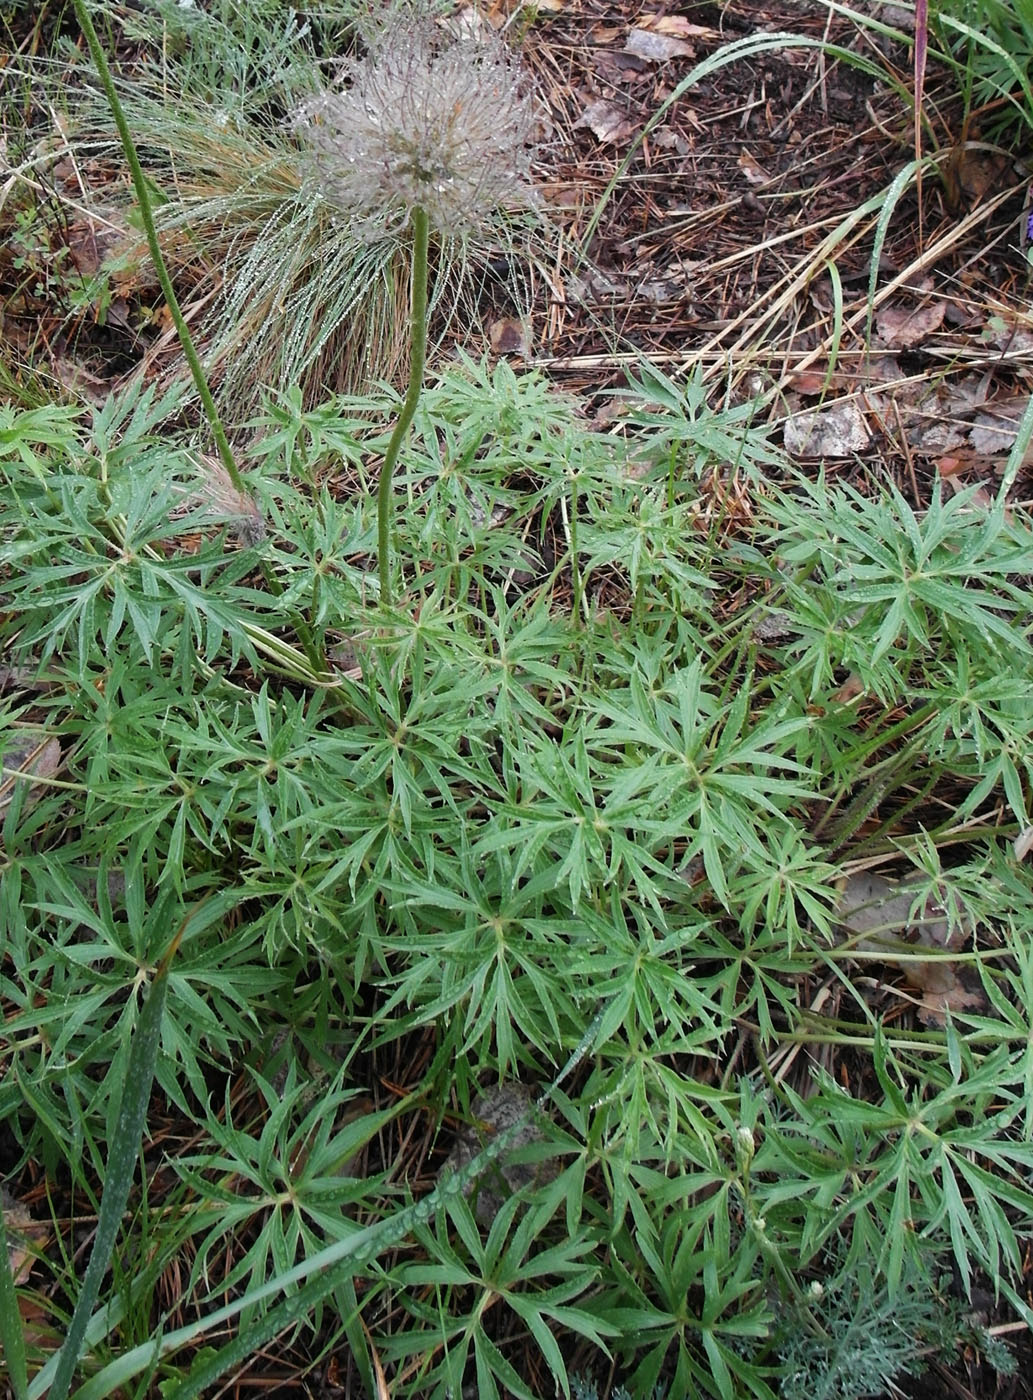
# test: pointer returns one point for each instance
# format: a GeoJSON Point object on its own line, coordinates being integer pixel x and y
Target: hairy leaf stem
{"type": "Point", "coordinates": [417, 361]}
{"type": "Point", "coordinates": [147, 218]}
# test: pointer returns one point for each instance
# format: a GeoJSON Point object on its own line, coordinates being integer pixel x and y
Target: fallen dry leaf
{"type": "Point", "coordinates": [975, 170]}
{"type": "Point", "coordinates": [1011, 336]}
{"type": "Point", "coordinates": [753, 170]}
{"type": "Point", "coordinates": [979, 499]}
{"type": "Point", "coordinates": [670, 140]}
{"type": "Point", "coordinates": [877, 913]}
{"type": "Point", "coordinates": [943, 991]}
{"type": "Point", "coordinates": [808, 382]}
{"type": "Point", "coordinates": [899, 16]}
{"type": "Point", "coordinates": [657, 48]}
{"type": "Point", "coordinates": [679, 25]}
{"type": "Point", "coordinates": [935, 418]}
{"type": "Point", "coordinates": [508, 337]}
{"type": "Point", "coordinates": [659, 290]}
{"type": "Point", "coordinates": [851, 688]}
{"type": "Point", "coordinates": [28, 757]}
{"type": "Point", "coordinates": [607, 122]}
{"type": "Point", "coordinates": [953, 464]}
{"type": "Point", "coordinates": [25, 1236]}
{"type": "Point", "coordinates": [595, 286]}
{"type": "Point", "coordinates": [901, 327]}
{"type": "Point", "coordinates": [995, 428]}
{"type": "Point", "coordinates": [840, 430]}
{"type": "Point", "coordinates": [79, 382]}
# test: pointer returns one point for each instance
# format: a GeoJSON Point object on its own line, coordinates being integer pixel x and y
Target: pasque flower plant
{"type": "Point", "coordinates": [432, 134]}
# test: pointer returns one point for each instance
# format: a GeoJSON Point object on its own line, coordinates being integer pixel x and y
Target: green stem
{"type": "Point", "coordinates": [144, 202]}
{"type": "Point", "coordinates": [417, 361]}
{"type": "Point", "coordinates": [575, 556]}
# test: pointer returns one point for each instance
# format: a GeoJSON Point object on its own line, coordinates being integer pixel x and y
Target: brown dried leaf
{"type": "Point", "coordinates": [28, 757]}
{"type": "Point", "coordinates": [753, 170]}
{"type": "Point", "coordinates": [851, 688]}
{"type": "Point", "coordinates": [994, 430]}
{"type": "Point", "coordinates": [901, 327]}
{"type": "Point", "coordinates": [93, 238]}
{"type": "Point", "coordinates": [657, 48]}
{"type": "Point", "coordinates": [79, 382]}
{"type": "Point", "coordinates": [25, 1236]}
{"type": "Point", "coordinates": [678, 25]}
{"type": "Point", "coordinates": [951, 466]}
{"type": "Point", "coordinates": [877, 913]}
{"type": "Point", "coordinates": [808, 382]}
{"type": "Point", "coordinates": [660, 290]}
{"type": "Point", "coordinates": [980, 499]}
{"type": "Point", "coordinates": [596, 285]}
{"type": "Point", "coordinates": [977, 171]}
{"type": "Point", "coordinates": [943, 991]}
{"type": "Point", "coordinates": [874, 911]}
{"type": "Point", "coordinates": [508, 337]}
{"type": "Point", "coordinates": [934, 417]}
{"type": "Point", "coordinates": [668, 139]}
{"type": "Point", "coordinates": [607, 122]}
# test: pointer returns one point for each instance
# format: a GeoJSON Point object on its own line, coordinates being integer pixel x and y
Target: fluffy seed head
{"type": "Point", "coordinates": [430, 120]}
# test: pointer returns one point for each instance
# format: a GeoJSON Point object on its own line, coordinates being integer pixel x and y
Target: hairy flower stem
{"type": "Point", "coordinates": [147, 218]}
{"type": "Point", "coordinates": [312, 649]}
{"type": "Point", "coordinates": [417, 361]}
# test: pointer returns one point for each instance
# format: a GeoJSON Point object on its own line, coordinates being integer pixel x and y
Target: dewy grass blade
{"type": "Point", "coordinates": [921, 53]}
{"type": "Point", "coordinates": [900, 182]}
{"type": "Point", "coordinates": [122, 1159]}
{"type": "Point", "coordinates": [836, 339]}
{"type": "Point", "coordinates": [12, 1337]}
{"type": "Point", "coordinates": [1017, 455]}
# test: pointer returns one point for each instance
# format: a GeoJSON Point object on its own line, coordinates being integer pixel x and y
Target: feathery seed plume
{"type": "Point", "coordinates": [430, 120]}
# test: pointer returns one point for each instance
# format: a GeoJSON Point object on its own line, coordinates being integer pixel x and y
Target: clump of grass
{"type": "Point", "coordinates": [988, 45]}
{"type": "Point", "coordinates": [281, 281]}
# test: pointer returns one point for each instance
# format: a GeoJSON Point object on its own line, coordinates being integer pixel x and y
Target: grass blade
{"type": "Point", "coordinates": [122, 1158]}
{"type": "Point", "coordinates": [12, 1337]}
{"type": "Point", "coordinates": [921, 53]}
{"type": "Point", "coordinates": [1017, 455]}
